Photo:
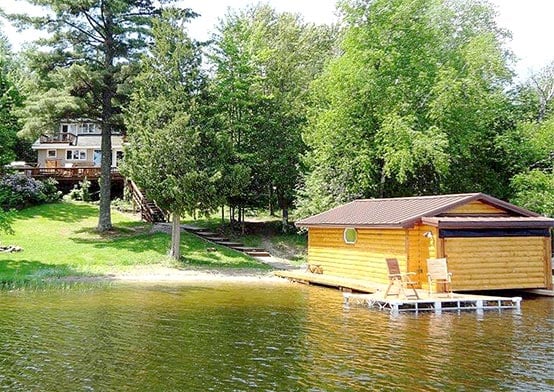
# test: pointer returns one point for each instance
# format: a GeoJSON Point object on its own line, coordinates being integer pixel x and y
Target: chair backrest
{"type": "Point", "coordinates": [437, 268]}
{"type": "Point", "coordinates": [392, 265]}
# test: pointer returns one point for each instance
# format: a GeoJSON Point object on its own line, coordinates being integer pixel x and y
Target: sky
{"type": "Point", "coordinates": [528, 20]}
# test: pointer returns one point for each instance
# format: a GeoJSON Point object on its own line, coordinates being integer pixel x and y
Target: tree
{"type": "Point", "coordinates": [10, 100]}
{"type": "Point", "coordinates": [542, 84]}
{"type": "Point", "coordinates": [97, 40]}
{"type": "Point", "coordinates": [265, 62]}
{"type": "Point", "coordinates": [411, 106]}
{"type": "Point", "coordinates": [172, 154]}
{"type": "Point", "coordinates": [6, 220]}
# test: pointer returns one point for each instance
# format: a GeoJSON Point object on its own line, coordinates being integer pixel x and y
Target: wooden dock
{"type": "Point", "coordinates": [364, 293]}
{"type": "Point", "coordinates": [339, 282]}
{"type": "Point", "coordinates": [435, 303]}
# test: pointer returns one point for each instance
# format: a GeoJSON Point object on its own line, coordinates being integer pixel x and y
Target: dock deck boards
{"type": "Point", "coordinates": [372, 295]}
{"type": "Point", "coordinates": [436, 303]}
{"type": "Point", "coordinates": [331, 280]}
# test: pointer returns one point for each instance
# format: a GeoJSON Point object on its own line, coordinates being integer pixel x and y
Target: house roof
{"type": "Point", "coordinates": [401, 212]}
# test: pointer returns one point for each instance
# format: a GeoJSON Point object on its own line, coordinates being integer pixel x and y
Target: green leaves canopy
{"type": "Point", "coordinates": [170, 151]}
{"type": "Point", "coordinates": [409, 103]}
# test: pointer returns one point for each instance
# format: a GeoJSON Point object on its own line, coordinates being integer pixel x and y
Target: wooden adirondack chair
{"type": "Point", "coordinates": [437, 272]}
{"type": "Point", "coordinates": [400, 279]}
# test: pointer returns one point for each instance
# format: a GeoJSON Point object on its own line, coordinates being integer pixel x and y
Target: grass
{"type": "Point", "coordinates": [60, 240]}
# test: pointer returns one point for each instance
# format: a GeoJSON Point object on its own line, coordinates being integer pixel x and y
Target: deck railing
{"type": "Point", "coordinates": [69, 173]}
{"type": "Point", "coordinates": [59, 138]}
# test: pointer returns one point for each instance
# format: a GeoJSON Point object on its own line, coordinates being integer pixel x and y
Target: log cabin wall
{"type": "Point", "coordinates": [423, 242]}
{"type": "Point", "coordinates": [364, 259]}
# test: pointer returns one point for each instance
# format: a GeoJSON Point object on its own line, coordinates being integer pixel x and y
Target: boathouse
{"type": "Point", "coordinates": [489, 244]}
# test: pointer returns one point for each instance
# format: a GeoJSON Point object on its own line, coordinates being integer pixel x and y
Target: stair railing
{"type": "Point", "coordinates": [149, 211]}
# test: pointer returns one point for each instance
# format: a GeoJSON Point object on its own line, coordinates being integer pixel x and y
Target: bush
{"type": "Point", "coordinates": [18, 191]}
{"type": "Point", "coordinates": [81, 192]}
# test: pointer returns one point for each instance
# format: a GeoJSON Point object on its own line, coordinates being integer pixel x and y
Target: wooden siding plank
{"type": "Point", "coordinates": [476, 207]}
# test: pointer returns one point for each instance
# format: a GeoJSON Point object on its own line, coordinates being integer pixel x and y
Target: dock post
{"type": "Point", "coordinates": [479, 304]}
{"type": "Point", "coordinates": [346, 297]}
{"type": "Point", "coordinates": [438, 306]}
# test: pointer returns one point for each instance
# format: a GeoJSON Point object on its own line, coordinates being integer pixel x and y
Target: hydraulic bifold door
{"type": "Point", "coordinates": [497, 259]}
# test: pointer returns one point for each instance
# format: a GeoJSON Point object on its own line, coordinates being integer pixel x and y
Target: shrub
{"type": "Point", "coordinates": [81, 192]}
{"type": "Point", "coordinates": [18, 191]}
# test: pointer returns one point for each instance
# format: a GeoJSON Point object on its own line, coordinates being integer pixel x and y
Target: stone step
{"type": "Point", "coordinates": [258, 254]}
{"type": "Point", "coordinates": [248, 249]}
{"type": "Point", "coordinates": [195, 229]}
{"type": "Point", "coordinates": [216, 239]}
{"type": "Point", "coordinates": [230, 244]}
{"type": "Point", "coordinates": [207, 234]}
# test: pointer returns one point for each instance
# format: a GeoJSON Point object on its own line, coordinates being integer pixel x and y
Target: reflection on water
{"type": "Point", "coordinates": [267, 338]}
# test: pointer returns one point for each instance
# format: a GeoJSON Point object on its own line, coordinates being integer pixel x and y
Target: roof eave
{"type": "Point", "coordinates": [489, 224]}
{"type": "Point", "coordinates": [353, 225]}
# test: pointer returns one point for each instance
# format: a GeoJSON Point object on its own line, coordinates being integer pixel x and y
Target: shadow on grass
{"type": "Point", "coordinates": [119, 230]}
{"type": "Point", "coordinates": [19, 272]}
{"type": "Point", "coordinates": [63, 212]}
{"type": "Point", "coordinates": [157, 242]}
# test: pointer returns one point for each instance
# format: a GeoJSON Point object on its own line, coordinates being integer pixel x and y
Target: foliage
{"type": "Point", "coordinates": [10, 100]}
{"type": "Point", "coordinates": [264, 62]}
{"type": "Point", "coordinates": [93, 47]}
{"type": "Point", "coordinates": [6, 221]}
{"type": "Point", "coordinates": [529, 152]}
{"type": "Point", "coordinates": [172, 154]}
{"type": "Point", "coordinates": [81, 192]}
{"type": "Point", "coordinates": [534, 190]}
{"type": "Point", "coordinates": [17, 191]}
{"type": "Point", "coordinates": [411, 106]}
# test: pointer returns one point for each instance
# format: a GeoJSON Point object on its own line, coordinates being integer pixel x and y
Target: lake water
{"type": "Point", "coordinates": [251, 337]}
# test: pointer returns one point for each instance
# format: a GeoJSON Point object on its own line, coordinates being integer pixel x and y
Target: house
{"type": "Point", "coordinates": [489, 244]}
{"type": "Point", "coordinates": [77, 143]}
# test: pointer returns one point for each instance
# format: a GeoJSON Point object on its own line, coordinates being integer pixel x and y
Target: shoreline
{"type": "Point", "coordinates": [162, 274]}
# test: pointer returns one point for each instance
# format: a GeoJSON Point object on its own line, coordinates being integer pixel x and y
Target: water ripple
{"type": "Point", "coordinates": [267, 338]}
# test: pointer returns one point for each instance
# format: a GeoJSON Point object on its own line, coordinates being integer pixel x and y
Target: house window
{"type": "Point", "coordinates": [87, 128]}
{"type": "Point", "coordinates": [67, 128]}
{"type": "Point", "coordinates": [76, 155]}
{"type": "Point", "coordinates": [350, 235]}
{"type": "Point", "coordinates": [51, 153]}
{"type": "Point", "coordinates": [117, 158]}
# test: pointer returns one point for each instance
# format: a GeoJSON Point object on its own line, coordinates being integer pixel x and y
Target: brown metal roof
{"type": "Point", "coordinates": [488, 222]}
{"type": "Point", "coordinates": [400, 212]}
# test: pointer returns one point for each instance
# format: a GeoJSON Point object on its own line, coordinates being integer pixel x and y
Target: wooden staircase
{"type": "Point", "coordinates": [223, 241]}
{"type": "Point", "coordinates": [149, 211]}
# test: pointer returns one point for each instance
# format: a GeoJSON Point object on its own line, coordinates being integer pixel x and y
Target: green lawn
{"type": "Point", "coordinates": [59, 240]}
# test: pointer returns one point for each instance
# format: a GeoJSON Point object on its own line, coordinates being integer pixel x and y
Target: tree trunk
{"type": "Point", "coordinates": [285, 220]}
{"type": "Point", "coordinates": [105, 181]}
{"type": "Point", "coordinates": [271, 207]}
{"type": "Point", "coordinates": [108, 90]}
{"type": "Point", "coordinates": [175, 251]}
{"type": "Point", "coordinates": [242, 223]}
{"type": "Point", "coordinates": [222, 215]}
